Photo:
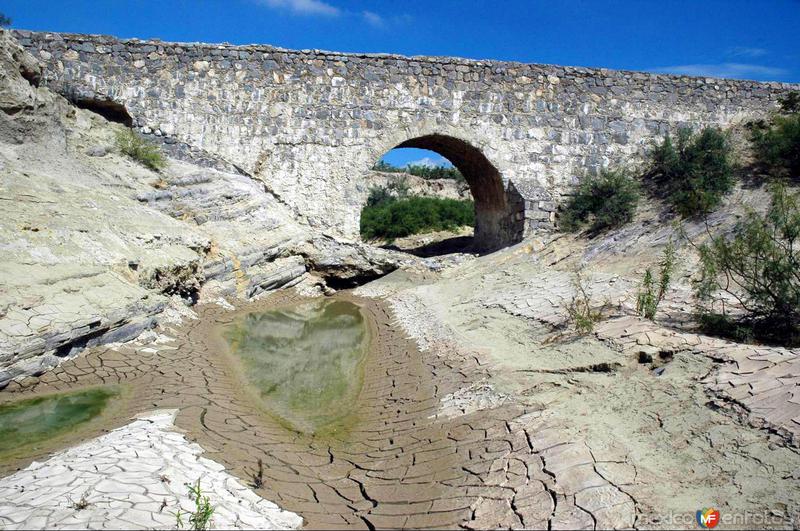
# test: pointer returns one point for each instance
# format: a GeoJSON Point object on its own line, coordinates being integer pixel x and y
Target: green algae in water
{"type": "Point", "coordinates": [304, 361]}
{"type": "Point", "coordinates": [35, 420]}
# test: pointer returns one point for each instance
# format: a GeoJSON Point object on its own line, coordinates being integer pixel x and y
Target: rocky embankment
{"type": "Point", "coordinates": [96, 248]}
{"type": "Point", "coordinates": [446, 188]}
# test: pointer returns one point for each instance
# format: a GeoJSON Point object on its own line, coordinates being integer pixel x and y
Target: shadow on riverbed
{"type": "Point", "coordinates": [456, 244]}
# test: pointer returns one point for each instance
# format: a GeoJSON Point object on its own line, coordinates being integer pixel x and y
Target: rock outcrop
{"type": "Point", "coordinates": [446, 188]}
{"type": "Point", "coordinates": [95, 247]}
{"type": "Point", "coordinates": [22, 74]}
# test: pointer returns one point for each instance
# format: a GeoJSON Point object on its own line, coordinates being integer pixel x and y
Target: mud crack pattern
{"type": "Point", "coordinates": [403, 464]}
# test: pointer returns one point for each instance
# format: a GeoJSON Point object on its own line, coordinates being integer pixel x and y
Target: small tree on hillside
{"type": "Point", "coordinates": [695, 172]}
{"type": "Point", "coordinates": [759, 267]}
{"type": "Point", "coordinates": [650, 295]}
{"type": "Point", "coordinates": [131, 144]}
{"type": "Point", "coordinates": [790, 103]}
{"type": "Point", "coordinates": [4, 21]}
{"type": "Point", "coordinates": [582, 312]}
{"type": "Point", "coordinates": [777, 142]}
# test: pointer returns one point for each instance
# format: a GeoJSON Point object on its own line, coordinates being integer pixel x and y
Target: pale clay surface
{"type": "Point", "coordinates": [135, 477]}
{"type": "Point", "coordinates": [667, 449]}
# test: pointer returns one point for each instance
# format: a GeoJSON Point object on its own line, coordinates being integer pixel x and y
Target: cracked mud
{"type": "Point", "coordinates": [405, 463]}
{"type": "Point", "coordinates": [448, 435]}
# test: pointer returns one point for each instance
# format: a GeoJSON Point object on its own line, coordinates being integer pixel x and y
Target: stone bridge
{"type": "Point", "coordinates": [310, 124]}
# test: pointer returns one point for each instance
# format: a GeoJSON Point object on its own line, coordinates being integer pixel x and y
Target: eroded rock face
{"type": "Point", "coordinates": [446, 188]}
{"type": "Point", "coordinates": [349, 264]}
{"type": "Point", "coordinates": [95, 247]}
{"type": "Point", "coordinates": [22, 74]}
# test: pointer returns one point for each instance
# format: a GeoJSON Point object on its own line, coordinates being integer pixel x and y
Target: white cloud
{"type": "Point", "coordinates": [372, 19]}
{"type": "Point", "coordinates": [320, 7]}
{"type": "Point", "coordinates": [731, 70]}
{"type": "Point", "coordinates": [746, 51]}
{"type": "Point", "coordinates": [430, 162]}
{"type": "Point", "coordinates": [304, 7]}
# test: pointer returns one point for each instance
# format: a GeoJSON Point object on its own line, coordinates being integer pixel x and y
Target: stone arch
{"type": "Point", "coordinates": [105, 106]}
{"type": "Point", "coordinates": [495, 211]}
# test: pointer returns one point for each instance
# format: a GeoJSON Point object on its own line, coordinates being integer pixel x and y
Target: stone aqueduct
{"type": "Point", "coordinates": [311, 123]}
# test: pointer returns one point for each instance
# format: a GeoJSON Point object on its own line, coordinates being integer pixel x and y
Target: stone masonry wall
{"type": "Point", "coordinates": [312, 123]}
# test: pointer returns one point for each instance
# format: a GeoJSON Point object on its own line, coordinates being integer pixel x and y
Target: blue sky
{"type": "Point", "coordinates": [404, 156]}
{"type": "Point", "coordinates": [753, 39]}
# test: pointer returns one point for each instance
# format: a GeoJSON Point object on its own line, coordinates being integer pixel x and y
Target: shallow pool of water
{"type": "Point", "coordinates": [35, 420]}
{"type": "Point", "coordinates": [304, 361]}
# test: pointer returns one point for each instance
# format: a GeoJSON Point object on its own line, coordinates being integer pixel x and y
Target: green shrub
{"type": "Point", "coordinates": [137, 148]}
{"type": "Point", "coordinates": [759, 267]}
{"type": "Point", "coordinates": [396, 218]}
{"type": "Point", "coordinates": [4, 21]}
{"type": "Point", "coordinates": [695, 173]}
{"type": "Point", "coordinates": [435, 172]}
{"type": "Point", "coordinates": [200, 518]}
{"type": "Point", "coordinates": [381, 195]}
{"type": "Point", "coordinates": [648, 298]}
{"type": "Point", "coordinates": [608, 200]}
{"type": "Point", "coordinates": [777, 146]}
{"type": "Point", "coordinates": [790, 103]}
{"type": "Point", "coordinates": [582, 312]}
{"type": "Point", "coordinates": [399, 189]}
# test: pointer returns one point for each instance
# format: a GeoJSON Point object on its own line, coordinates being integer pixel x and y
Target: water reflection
{"type": "Point", "coordinates": [304, 361]}
{"type": "Point", "coordinates": [34, 420]}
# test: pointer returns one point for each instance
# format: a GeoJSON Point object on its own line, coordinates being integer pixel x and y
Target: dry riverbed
{"type": "Point", "coordinates": [405, 462]}
{"type": "Point", "coordinates": [477, 409]}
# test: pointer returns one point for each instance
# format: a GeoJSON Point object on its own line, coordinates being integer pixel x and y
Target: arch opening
{"type": "Point", "coordinates": [104, 106]}
{"type": "Point", "coordinates": [494, 224]}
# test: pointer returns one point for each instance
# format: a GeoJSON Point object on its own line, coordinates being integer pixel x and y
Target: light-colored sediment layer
{"type": "Point", "coordinates": [760, 383]}
{"type": "Point", "coordinates": [135, 477]}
